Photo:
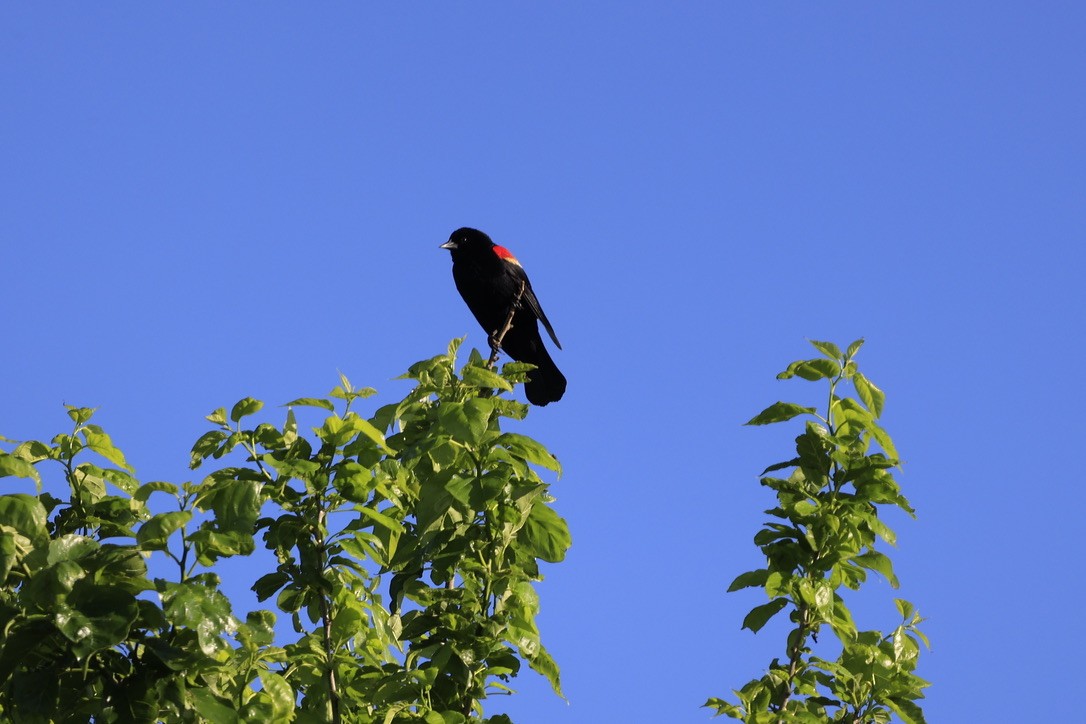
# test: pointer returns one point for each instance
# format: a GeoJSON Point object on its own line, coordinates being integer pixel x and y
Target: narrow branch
{"type": "Point", "coordinates": [326, 616]}
{"type": "Point", "coordinates": [496, 338]}
{"type": "Point", "coordinates": [796, 654]}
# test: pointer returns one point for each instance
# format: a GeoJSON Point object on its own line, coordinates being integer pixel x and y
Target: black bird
{"type": "Point", "coordinates": [489, 277]}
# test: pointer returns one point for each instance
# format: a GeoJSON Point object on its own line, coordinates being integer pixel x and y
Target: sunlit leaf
{"type": "Point", "coordinates": [466, 421]}
{"type": "Point", "coordinates": [80, 415]}
{"type": "Point", "coordinates": [811, 370]}
{"type": "Point", "coordinates": [530, 450]}
{"type": "Point", "coordinates": [281, 695]}
{"type": "Point", "coordinates": [218, 417]}
{"type": "Point", "coordinates": [26, 515]}
{"type": "Point", "coordinates": [13, 466]}
{"type": "Point", "coordinates": [100, 442]}
{"type": "Point", "coordinates": [483, 377]}
{"type": "Point", "coordinates": [312, 402]}
{"type": "Point", "coordinates": [545, 534]}
{"type": "Point", "coordinates": [244, 407]}
{"type": "Point", "coordinates": [831, 350]}
{"type": "Point", "coordinates": [854, 348]}
{"type": "Point", "coordinates": [876, 561]}
{"type": "Point", "coordinates": [779, 412]}
{"type": "Point", "coordinates": [872, 397]}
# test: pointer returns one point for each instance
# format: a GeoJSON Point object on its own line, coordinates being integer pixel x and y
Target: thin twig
{"type": "Point", "coordinates": [326, 618]}
{"type": "Point", "coordinates": [496, 338]}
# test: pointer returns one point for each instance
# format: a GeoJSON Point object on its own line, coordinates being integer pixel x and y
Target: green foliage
{"type": "Point", "coordinates": [822, 540]}
{"type": "Point", "coordinates": [447, 514]}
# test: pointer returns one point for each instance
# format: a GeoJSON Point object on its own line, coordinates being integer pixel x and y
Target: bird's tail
{"type": "Point", "coordinates": [546, 383]}
{"type": "Point", "coordinates": [523, 343]}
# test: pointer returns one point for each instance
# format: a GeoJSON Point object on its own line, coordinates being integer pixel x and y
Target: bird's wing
{"type": "Point", "coordinates": [529, 297]}
{"type": "Point", "coordinates": [533, 304]}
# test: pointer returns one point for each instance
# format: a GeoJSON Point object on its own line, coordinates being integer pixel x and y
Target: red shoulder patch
{"type": "Point", "coordinates": [504, 253]}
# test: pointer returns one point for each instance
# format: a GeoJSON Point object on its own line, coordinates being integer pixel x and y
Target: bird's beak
{"type": "Point", "coordinates": [450, 245]}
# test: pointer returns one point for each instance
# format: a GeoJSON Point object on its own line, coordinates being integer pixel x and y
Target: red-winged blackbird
{"type": "Point", "coordinates": [489, 277]}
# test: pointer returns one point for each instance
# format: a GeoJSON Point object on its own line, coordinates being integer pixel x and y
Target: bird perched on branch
{"type": "Point", "coordinates": [497, 291]}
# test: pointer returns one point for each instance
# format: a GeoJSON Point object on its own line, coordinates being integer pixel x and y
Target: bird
{"type": "Point", "coordinates": [489, 278]}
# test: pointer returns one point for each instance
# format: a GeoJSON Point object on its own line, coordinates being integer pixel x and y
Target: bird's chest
{"type": "Point", "coordinates": [483, 282]}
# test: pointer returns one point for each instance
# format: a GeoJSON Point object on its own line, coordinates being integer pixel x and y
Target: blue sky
{"type": "Point", "coordinates": [209, 201]}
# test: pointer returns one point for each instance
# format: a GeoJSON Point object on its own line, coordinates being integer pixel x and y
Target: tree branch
{"type": "Point", "coordinates": [326, 615]}
{"type": "Point", "coordinates": [496, 338]}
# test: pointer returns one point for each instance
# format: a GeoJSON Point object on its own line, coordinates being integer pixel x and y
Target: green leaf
{"type": "Point", "coordinates": [9, 553]}
{"type": "Point", "coordinates": [153, 534]}
{"type": "Point", "coordinates": [760, 615]}
{"type": "Point", "coordinates": [872, 397]}
{"type": "Point", "coordinates": [13, 466]}
{"type": "Point", "coordinates": [280, 694]}
{"type": "Point", "coordinates": [312, 402]}
{"type": "Point", "coordinates": [483, 377]}
{"type": "Point", "coordinates": [347, 392]}
{"type": "Point", "coordinates": [545, 534]}
{"type": "Point", "coordinates": [208, 445]}
{"type": "Point", "coordinates": [750, 579]}
{"type": "Point", "coordinates": [530, 450]}
{"type": "Point", "coordinates": [80, 415]}
{"type": "Point", "coordinates": [211, 545]}
{"type": "Point", "coordinates": [454, 347]}
{"type": "Point", "coordinates": [335, 431]}
{"type": "Point", "coordinates": [31, 451]}
{"type": "Point", "coordinates": [369, 431]}
{"type": "Point", "coordinates": [875, 561]}
{"type": "Point", "coordinates": [339, 431]}
{"type": "Point", "coordinates": [811, 370]}
{"type": "Point", "coordinates": [242, 408]}
{"type": "Point", "coordinates": [906, 709]}
{"type": "Point", "coordinates": [99, 442]}
{"type": "Point", "coordinates": [100, 618]}
{"type": "Point", "coordinates": [236, 502]}
{"type": "Point", "coordinates": [881, 529]}
{"type": "Point", "coordinates": [723, 707]}
{"type": "Point", "coordinates": [212, 708]}
{"type": "Point", "coordinates": [779, 412]}
{"type": "Point", "coordinates": [144, 491]}
{"type": "Point", "coordinates": [381, 519]}
{"type": "Point", "coordinates": [466, 421]}
{"type": "Point", "coordinates": [841, 621]}
{"type": "Point", "coordinates": [259, 628]}
{"type": "Point", "coordinates": [781, 466]}
{"type": "Point", "coordinates": [26, 515]}
{"type": "Point", "coordinates": [290, 599]}
{"type": "Point", "coordinates": [542, 663]}
{"type": "Point", "coordinates": [70, 547]}
{"type": "Point", "coordinates": [203, 610]}
{"type": "Point", "coordinates": [829, 349]}
{"type": "Point", "coordinates": [122, 480]}
{"type": "Point", "coordinates": [854, 348]}
{"type": "Point", "coordinates": [778, 584]}
{"type": "Point", "coordinates": [268, 584]}
{"type": "Point", "coordinates": [218, 417]}
{"type": "Point", "coordinates": [883, 439]}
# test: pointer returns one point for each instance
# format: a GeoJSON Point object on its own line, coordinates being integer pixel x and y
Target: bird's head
{"type": "Point", "coordinates": [467, 239]}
